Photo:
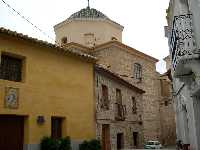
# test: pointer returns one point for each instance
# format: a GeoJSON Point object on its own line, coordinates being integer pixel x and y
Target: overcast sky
{"type": "Point", "coordinates": [143, 20]}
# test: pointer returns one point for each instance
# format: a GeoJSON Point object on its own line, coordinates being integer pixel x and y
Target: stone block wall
{"type": "Point", "coordinates": [167, 113]}
{"type": "Point", "coordinates": [121, 61]}
{"type": "Point", "coordinates": [132, 122]}
{"type": "Point", "coordinates": [122, 127]}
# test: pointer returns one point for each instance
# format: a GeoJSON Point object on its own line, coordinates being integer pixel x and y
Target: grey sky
{"type": "Point", "coordinates": [143, 20]}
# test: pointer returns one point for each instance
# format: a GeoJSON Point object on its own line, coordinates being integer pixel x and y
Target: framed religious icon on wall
{"type": "Point", "coordinates": [11, 98]}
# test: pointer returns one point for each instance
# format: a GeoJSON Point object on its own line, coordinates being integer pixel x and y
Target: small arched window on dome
{"type": "Point", "coordinates": [114, 38]}
{"type": "Point", "coordinates": [64, 41]}
{"type": "Point", "coordinates": [138, 71]}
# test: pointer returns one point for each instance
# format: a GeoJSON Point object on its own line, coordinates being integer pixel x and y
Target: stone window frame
{"type": "Point", "coordinates": [138, 71]}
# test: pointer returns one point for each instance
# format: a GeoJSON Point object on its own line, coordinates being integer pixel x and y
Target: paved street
{"type": "Point", "coordinates": [167, 148]}
{"type": "Point", "coordinates": [158, 149]}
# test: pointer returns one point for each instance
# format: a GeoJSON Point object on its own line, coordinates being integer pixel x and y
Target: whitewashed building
{"type": "Point", "coordinates": [183, 32]}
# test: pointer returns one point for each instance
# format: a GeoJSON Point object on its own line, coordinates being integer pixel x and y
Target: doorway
{"type": "Point", "coordinates": [120, 141]}
{"type": "Point", "coordinates": [135, 139]}
{"type": "Point", "coordinates": [11, 132]}
{"type": "Point", "coordinates": [106, 137]}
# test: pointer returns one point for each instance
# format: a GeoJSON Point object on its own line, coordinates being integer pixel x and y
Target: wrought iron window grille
{"type": "Point", "coordinates": [182, 42]}
{"type": "Point", "coordinates": [11, 68]}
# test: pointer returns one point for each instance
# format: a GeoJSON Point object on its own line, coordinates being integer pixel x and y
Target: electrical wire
{"type": "Point", "coordinates": [27, 20]}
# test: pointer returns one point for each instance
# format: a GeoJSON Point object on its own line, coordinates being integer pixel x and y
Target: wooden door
{"type": "Point", "coordinates": [56, 127]}
{"type": "Point", "coordinates": [11, 132]}
{"type": "Point", "coordinates": [106, 137]}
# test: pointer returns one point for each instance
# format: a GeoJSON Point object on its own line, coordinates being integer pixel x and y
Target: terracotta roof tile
{"type": "Point", "coordinates": [128, 48]}
{"type": "Point", "coordinates": [47, 44]}
{"type": "Point", "coordinates": [117, 78]}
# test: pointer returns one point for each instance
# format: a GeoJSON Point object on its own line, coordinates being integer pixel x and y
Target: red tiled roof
{"type": "Point", "coordinates": [47, 44]}
{"type": "Point", "coordinates": [115, 77]}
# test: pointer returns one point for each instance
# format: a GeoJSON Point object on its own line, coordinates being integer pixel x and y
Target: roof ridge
{"type": "Point", "coordinates": [127, 47]}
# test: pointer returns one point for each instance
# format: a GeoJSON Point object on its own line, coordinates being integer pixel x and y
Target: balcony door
{"type": "Point", "coordinates": [119, 96]}
{"type": "Point", "coordinates": [119, 102]}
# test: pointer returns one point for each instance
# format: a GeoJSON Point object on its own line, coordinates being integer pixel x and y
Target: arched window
{"type": "Point", "coordinates": [64, 40]}
{"type": "Point", "coordinates": [137, 71]}
{"type": "Point", "coordinates": [114, 38]}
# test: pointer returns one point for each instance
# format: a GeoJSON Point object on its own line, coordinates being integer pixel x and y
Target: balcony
{"type": "Point", "coordinates": [120, 112]}
{"type": "Point", "coordinates": [182, 44]}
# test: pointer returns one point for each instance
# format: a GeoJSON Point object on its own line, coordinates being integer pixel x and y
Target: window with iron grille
{"type": "Point", "coordinates": [11, 68]}
{"type": "Point", "coordinates": [137, 71]}
{"type": "Point", "coordinates": [134, 106]}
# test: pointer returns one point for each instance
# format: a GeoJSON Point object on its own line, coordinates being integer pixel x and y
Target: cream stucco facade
{"type": "Point", "coordinates": [53, 85]}
{"type": "Point", "coordinates": [77, 31]}
{"type": "Point", "coordinates": [88, 31]}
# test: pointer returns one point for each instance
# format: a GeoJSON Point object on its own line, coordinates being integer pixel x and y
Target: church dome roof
{"type": "Point", "coordinates": [88, 13]}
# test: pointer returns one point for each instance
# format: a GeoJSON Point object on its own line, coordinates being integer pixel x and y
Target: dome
{"type": "Point", "coordinates": [88, 13]}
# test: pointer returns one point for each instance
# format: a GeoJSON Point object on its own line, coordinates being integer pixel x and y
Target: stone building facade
{"type": "Point", "coordinates": [123, 60]}
{"type": "Point", "coordinates": [167, 113]}
{"type": "Point", "coordinates": [166, 107]}
{"type": "Point", "coordinates": [184, 43]}
{"type": "Point", "coordinates": [119, 110]}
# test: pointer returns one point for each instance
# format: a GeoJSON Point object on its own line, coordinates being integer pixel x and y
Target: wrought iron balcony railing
{"type": "Point", "coordinates": [182, 42]}
{"type": "Point", "coordinates": [120, 112]}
